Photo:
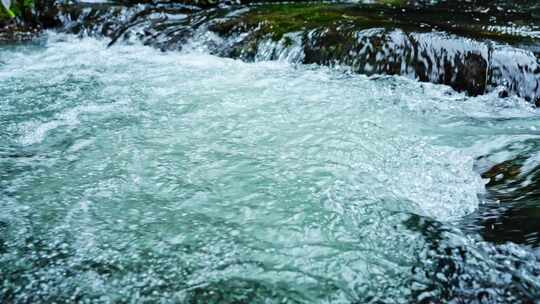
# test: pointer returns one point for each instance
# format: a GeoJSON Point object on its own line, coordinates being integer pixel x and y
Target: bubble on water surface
{"type": "Point", "coordinates": [188, 177]}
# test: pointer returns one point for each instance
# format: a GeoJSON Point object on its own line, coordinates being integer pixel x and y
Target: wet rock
{"type": "Point", "coordinates": [449, 271]}
{"type": "Point", "coordinates": [22, 23]}
{"type": "Point", "coordinates": [381, 41]}
{"type": "Point", "coordinates": [516, 179]}
{"type": "Point", "coordinates": [45, 13]}
{"type": "Point", "coordinates": [13, 33]}
{"type": "Point", "coordinates": [512, 213]}
{"type": "Point", "coordinates": [166, 26]}
{"type": "Point", "coordinates": [516, 70]}
{"type": "Point", "coordinates": [472, 50]}
{"type": "Point", "coordinates": [429, 57]}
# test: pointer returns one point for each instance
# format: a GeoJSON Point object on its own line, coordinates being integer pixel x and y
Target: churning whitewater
{"type": "Point", "coordinates": [130, 173]}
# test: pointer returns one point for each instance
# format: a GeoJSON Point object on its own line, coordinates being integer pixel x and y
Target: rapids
{"type": "Point", "coordinates": [131, 174]}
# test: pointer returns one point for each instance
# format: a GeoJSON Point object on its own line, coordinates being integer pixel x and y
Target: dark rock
{"type": "Point", "coordinates": [429, 57]}
{"type": "Point", "coordinates": [453, 271]}
{"type": "Point", "coordinates": [474, 47]}
{"type": "Point", "coordinates": [512, 213]}
{"type": "Point", "coordinates": [371, 44]}
{"type": "Point", "coordinates": [13, 33]}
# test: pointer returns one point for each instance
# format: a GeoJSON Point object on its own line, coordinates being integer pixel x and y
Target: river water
{"type": "Point", "coordinates": [130, 174]}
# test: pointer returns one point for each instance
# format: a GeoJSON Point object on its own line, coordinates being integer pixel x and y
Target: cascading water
{"type": "Point", "coordinates": [129, 174]}
{"type": "Point", "coordinates": [425, 44]}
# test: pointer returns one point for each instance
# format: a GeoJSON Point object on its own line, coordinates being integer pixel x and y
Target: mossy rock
{"type": "Point", "coordinates": [425, 42]}
{"type": "Point", "coordinates": [280, 19]}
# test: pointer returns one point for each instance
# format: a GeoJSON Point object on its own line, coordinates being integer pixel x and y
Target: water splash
{"type": "Point", "coordinates": [189, 177]}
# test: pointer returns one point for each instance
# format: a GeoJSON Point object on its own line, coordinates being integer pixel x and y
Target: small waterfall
{"type": "Point", "coordinates": [289, 49]}
{"type": "Point", "coordinates": [474, 66]}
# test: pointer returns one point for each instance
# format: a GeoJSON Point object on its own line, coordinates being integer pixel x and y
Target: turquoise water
{"type": "Point", "coordinates": [128, 174]}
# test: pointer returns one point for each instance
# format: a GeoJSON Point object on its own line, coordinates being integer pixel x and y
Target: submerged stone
{"type": "Point", "coordinates": [512, 213]}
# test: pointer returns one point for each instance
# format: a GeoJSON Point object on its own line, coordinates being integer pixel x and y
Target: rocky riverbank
{"type": "Point", "coordinates": [474, 50]}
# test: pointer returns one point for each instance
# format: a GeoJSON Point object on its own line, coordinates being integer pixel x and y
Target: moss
{"type": "Point", "coordinates": [4, 16]}
{"type": "Point", "coordinates": [277, 20]}
{"type": "Point", "coordinates": [281, 19]}
{"type": "Point", "coordinates": [19, 9]}
{"type": "Point", "coordinates": [392, 2]}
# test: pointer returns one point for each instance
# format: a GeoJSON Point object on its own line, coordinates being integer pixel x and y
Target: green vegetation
{"type": "Point", "coordinates": [392, 2]}
{"type": "Point", "coordinates": [281, 19]}
{"type": "Point", "coordinates": [17, 9]}
{"type": "Point", "coordinates": [6, 14]}
{"type": "Point", "coordinates": [275, 20]}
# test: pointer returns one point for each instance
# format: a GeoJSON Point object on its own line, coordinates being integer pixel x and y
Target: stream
{"type": "Point", "coordinates": [128, 174]}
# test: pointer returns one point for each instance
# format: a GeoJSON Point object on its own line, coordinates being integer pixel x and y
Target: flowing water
{"type": "Point", "coordinates": [129, 175]}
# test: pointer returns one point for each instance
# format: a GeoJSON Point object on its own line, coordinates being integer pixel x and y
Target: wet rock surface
{"type": "Point", "coordinates": [12, 33]}
{"type": "Point", "coordinates": [512, 213]}
{"type": "Point", "coordinates": [25, 20]}
{"type": "Point", "coordinates": [477, 52]}
{"type": "Point", "coordinates": [451, 272]}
